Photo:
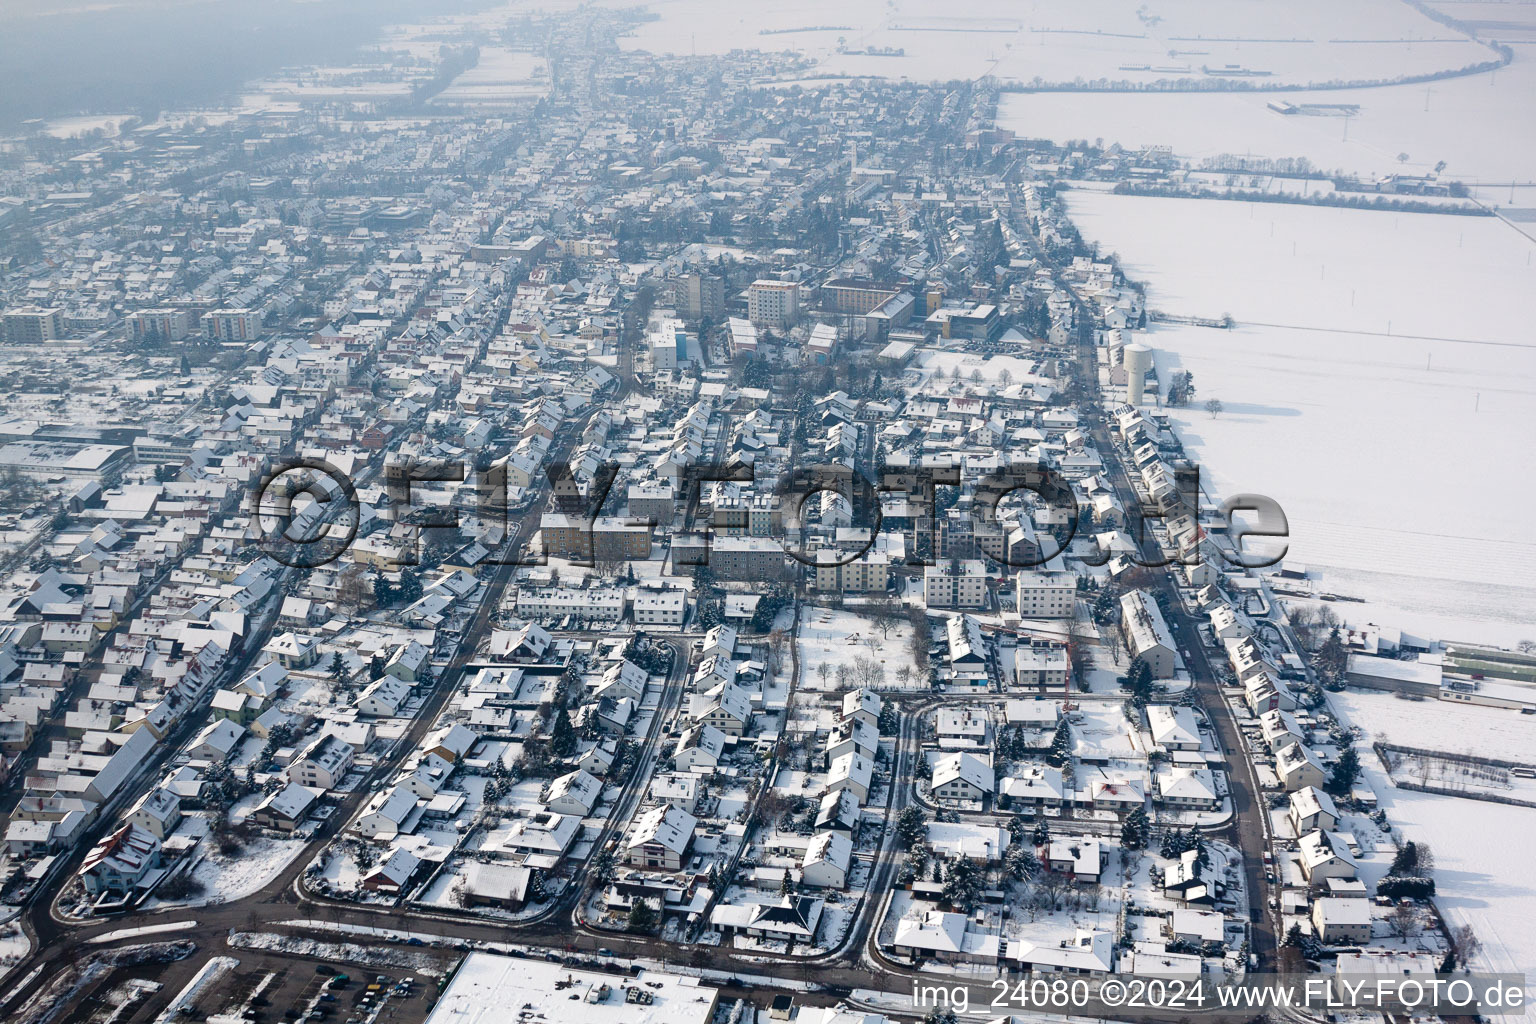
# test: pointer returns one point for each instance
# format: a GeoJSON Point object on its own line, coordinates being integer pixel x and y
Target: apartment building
{"type": "Point", "coordinates": [32, 325]}
{"type": "Point", "coordinates": [1046, 595]}
{"type": "Point", "coordinates": [773, 304]}
{"type": "Point", "coordinates": [959, 583]}
{"type": "Point", "coordinates": [232, 324]}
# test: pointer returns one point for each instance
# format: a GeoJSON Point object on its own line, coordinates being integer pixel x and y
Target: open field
{"type": "Point", "coordinates": [1354, 431]}
{"type": "Point", "coordinates": [1116, 40]}
{"type": "Point", "coordinates": [1472, 841]}
{"type": "Point", "coordinates": [1476, 124]}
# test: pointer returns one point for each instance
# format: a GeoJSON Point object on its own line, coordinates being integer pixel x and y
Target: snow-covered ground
{"type": "Point", "coordinates": [1356, 433]}
{"type": "Point", "coordinates": [1305, 41]}
{"type": "Point", "coordinates": [1476, 124]}
{"type": "Point", "coordinates": [832, 637]}
{"type": "Point", "coordinates": [1442, 725]}
{"type": "Point", "coordinates": [14, 944]}
{"type": "Point", "coordinates": [1479, 878]}
{"type": "Point", "coordinates": [259, 860]}
{"type": "Point", "coordinates": [500, 76]}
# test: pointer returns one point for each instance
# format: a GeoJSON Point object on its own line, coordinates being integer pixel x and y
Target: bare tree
{"type": "Point", "coordinates": [1213, 406]}
{"type": "Point", "coordinates": [1465, 944]}
{"type": "Point", "coordinates": [1404, 920]}
{"type": "Point", "coordinates": [1053, 888]}
{"type": "Point", "coordinates": [778, 642]}
{"type": "Point", "coordinates": [886, 615]}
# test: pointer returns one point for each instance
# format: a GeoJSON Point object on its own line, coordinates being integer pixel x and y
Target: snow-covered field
{"type": "Point", "coordinates": [1476, 879]}
{"type": "Point", "coordinates": [1305, 41]}
{"type": "Point", "coordinates": [1441, 725]}
{"type": "Point", "coordinates": [831, 637]}
{"type": "Point", "coordinates": [501, 76]}
{"type": "Point", "coordinates": [1475, 124]}
{"type": "Point", "coordinates": [1402, 463]}
{"type": "Point", "coordinates": [69, 127]}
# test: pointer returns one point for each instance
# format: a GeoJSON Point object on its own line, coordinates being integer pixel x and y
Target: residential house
{"type": "Point", "coordinates": [660, 839]}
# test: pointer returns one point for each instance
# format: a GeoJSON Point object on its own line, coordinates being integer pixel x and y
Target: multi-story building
{"type": "Point", "coordinates": [958, 583]}
{"type": "Point", "coordinates": [746, 558]}
{"type": "Point", "coordinates": [604, 603]}
{"type": "Point", "coordinates": [324, 763]}
{"type": "Point", "coordinates": [32, 325]}
{"type": "Point", "coordinates": [1046, 595]}
{"type": "Point", "coordinates": [651, 501]}
{"type": "Point", "coordinates": [165, 324]}
{"type": "Point", "coordinates": [669, 345]}
{"type": "Point", "coordinates": [745, 515]}
{"type": "Point", "coordinates": [773, 304]}
{"type": "Point", "coordinates": [1040, 666]}
{"type": "Point", "coordinates": [868, 574]}
{"type": "Point", "coordinates": [607, 538]}
{"type": "Point", "coordinates": [855, 296]}
{"type": "Point", "coordinates": [1146, 633]}
{"type": "Point", "coordinates": [659, 606]}
{"type": "Point", "coordinates": [697, 295]}
{"type": "Point", "coordinates": [232, 324]}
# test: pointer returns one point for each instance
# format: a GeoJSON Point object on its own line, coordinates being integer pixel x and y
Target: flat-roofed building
{"type": "Point", "coordinates": [164, 324]}
{"type": "Point", "coordinates": [32, 325]}
{"type": "Point", "coordinates": [773, 304]}
{"type": "Point", "coordinates": [1045, 595]}
{"type": "Point", "coordinates": [485, 985]}
{"type": "Point", "coordinates": [961, 585]}
{"type": "Point", "coordinates": [232, 324]}
{"type": "Point", "coordinates": [44, 460]}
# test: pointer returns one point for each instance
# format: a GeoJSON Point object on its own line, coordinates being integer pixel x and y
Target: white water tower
{"type": "Point", "coordinates": [1138, 360]}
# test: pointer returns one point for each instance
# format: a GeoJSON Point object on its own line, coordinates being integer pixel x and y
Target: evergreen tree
{"type": "Point", "coordinates": [375, 667]}
{"type": "Point", "coordinates": [1138, 679]}
{"type": "Point", "coordinates": [911, 827]}
{"type": "Point", "coordinates": [962, 888]}
{"type": "Point", "coordinates": [642, 918]}
{"type": "Point", "coordinates": [1134, 830]}
{"type": "Point", "coordinates": [1061, 746]}
{"type": "Point", "coordinates": [1018, 828]}
{"type": "Point", "coordinates": [1020, 862]}
{"type": "Point", "coordinates": [1345, 771]}
{"type": "Point", "coordinates": [410, 586]}
{"type": "Point", "coordinates": [1332, 660]}
{"type": "Point", "coordinates": [787, 884]}
{"type": "Point", "coordinates": [1042, 834]}
{"type": "Point", "coordinates": [1105, 607]}
{"type": "Point", "coordinates": [1406, 861]}
{"type": "Point", "coordinates": [337, 669]}
{"type": "Point", "coordinates": [562, 735]}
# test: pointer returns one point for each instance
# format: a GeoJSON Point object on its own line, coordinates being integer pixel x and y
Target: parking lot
{"type": "Point", "coordinates": [289, 990]}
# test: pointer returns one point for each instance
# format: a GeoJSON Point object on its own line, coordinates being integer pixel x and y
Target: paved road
{"type": "Point", "coordinates": [1250, 812]}
{"type": "Point", "coordinates": [1249, 826]}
